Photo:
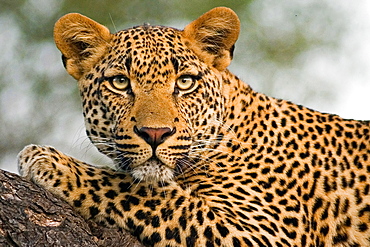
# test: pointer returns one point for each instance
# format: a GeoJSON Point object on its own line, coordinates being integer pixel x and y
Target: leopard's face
{"type": "Point", "coordinates": [151, 95]}
{"type": "Point", "coordinates": [149, 101]}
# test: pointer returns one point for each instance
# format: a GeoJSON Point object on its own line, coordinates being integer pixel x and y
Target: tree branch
{"type": "Point", "coordinates": [32, 216]}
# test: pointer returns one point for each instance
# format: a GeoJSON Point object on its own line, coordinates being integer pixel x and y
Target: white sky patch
{"type": "Point", "coordinates": [354, 100]}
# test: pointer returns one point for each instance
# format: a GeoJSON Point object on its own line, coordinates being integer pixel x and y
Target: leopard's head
{"type": "Point", "coordinates": [150, 94]}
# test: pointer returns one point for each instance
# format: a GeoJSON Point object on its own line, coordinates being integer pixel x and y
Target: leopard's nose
{"type": "Point", "coordinates": [154, 136]}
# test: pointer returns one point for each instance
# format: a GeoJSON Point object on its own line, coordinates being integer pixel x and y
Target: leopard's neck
{"type": "Point", "coordinates": [243, 105]}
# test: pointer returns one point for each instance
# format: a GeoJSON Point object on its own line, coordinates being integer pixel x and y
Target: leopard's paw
{"type": "Point", "coordinates": [37, 163]}
{"type": "Point", "coordinates": [28, 158]}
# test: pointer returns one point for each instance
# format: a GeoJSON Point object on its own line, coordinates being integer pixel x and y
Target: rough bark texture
{"type": "Point", "coordinates": [31, 216]}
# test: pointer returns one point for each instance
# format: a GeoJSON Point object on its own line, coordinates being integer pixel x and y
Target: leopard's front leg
{"type": "Point", "coordinates": [87, 188]}
{"type": "Point", "coordinates": [160, 214]}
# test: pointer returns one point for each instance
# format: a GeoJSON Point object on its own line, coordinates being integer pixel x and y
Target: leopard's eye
{"type": "Point", "coordinates": [120, 82]}
{"type": "Point", "coordinates": [185, 82]}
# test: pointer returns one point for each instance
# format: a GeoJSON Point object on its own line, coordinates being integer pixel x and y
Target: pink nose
{"type": "Point", "coordinates": [154, 136]}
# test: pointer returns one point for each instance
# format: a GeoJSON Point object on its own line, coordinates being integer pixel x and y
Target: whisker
{"type": "Point", "coordinates": [114, 26]}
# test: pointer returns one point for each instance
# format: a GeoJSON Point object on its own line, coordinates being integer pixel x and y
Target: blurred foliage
{"type": "Point", "coordinates": [39, 102]}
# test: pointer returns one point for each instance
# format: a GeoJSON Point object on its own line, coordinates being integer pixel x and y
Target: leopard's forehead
{"type": "Point", "coordinates": [150, 52]}
{"type": "Point", "coordinates": [154, 39]}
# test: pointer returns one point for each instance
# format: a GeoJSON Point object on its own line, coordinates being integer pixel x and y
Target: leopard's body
{"type": "Point", "coordinates": [201, 158]}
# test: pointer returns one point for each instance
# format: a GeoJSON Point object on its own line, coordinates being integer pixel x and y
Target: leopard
{"type": "Point", "coordinates": [200, 158]}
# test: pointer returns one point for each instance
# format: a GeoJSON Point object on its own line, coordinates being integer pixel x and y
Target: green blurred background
{"type": "Point", "coordinates": [312, 52]}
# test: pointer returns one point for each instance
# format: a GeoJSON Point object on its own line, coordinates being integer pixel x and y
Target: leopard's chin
{"type": "Point", "coordinates": [153, 170]}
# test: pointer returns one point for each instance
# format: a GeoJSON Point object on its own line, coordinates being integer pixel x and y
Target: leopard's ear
{"type": "Point", "coordinates": [82, 42]}
{"type": "Point", "coordinates": [213, 35]}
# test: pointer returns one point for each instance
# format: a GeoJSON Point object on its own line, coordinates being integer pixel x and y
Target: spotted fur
{"type": "Point", "coordinates": [202, 159]}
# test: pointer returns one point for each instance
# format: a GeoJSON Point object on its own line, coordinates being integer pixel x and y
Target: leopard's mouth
{"type": "Point", "coordinates": [152, 170]}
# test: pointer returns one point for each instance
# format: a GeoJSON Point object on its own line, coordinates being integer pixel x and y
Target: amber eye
{"type": "Point", "coordinates": [120, 82]}
{"type": "Point", "coordinates": [185, 82]}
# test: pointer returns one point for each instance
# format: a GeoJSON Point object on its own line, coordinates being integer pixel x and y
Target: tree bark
{"type": "Point", "coordinates": [32, 216]}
